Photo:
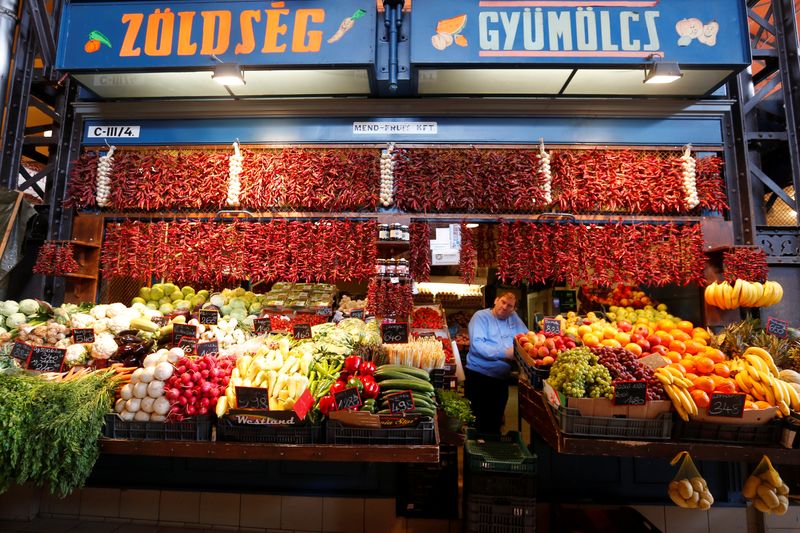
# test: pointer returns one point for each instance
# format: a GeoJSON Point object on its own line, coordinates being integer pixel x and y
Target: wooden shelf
{"type": "Point", "coordinates": [272, 452]}
{"type": "Point", "coordinates": [533, 408]}
{"type": "Point", "coordinates": [80, 276]}
{"type": "Point", "coordinates": [88, 244]}
{"type": "Point", "coordinates": [393, 243]}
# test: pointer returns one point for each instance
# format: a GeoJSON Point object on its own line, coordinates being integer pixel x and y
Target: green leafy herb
{"type": "Point", "coordinates": [456, 406]}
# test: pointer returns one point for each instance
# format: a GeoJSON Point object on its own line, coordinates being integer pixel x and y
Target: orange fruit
{"type": "Point", "coordinates": [688, 364]}
{"type": "Point", "coordinates": [728, 386]}
{"type": "Point", "coordinates": [715, 355]}
{"type": "Point", "coordinates": [685, 326]}
{"type": "Point", "coordinates": [677, 346]}
{"type": "Point", "coordinates": [679, 335]}
{"type": "Point", "coordinates": [590, 340]}
{"type": "Point", "coordinates": [691, 377]}
{"type": "Point", "coordinates": [623, 338]}
{"type": "Point", "coordinates": [704, 384]}
{"type": "Point", "coordinates": [693, 347]}
{"type": "Point", "coordinates": [722, 370]}
{"type": "Point", "coordinates": [750, 405]}
{"type": "Point", "coordinates": [701, 333]}
{"type": "Point", "coordinates": [762, 405]}
{"type": "Point", "coordinates": [584, 330]}
{"type": "Point", "coordinates": [609, 333]}
{"type": "Point", "coordinates": [666, 338]}
{"type": "Point", "coordinates": [452, 25]}
{"type": "Point", "coordinates": [665, 325]}
{"type": "Point", "coordinates": [660, 350]}
{"type": "Point", "coordinates": [613, 343]}
{"type": "Point", "coordinates": [700, 398]}
{"type": "Point", "coordinates": [673, 356]}
{"type": "Point", "coordinates": [700, 340]}
{"type": "Point", "coordinates": [634, 348]}
{"type": "Point", "coordinates": [705, 365]}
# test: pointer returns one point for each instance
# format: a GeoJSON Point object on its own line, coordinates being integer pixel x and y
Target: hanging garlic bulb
{"type": "Point", "coordinates": [544, 170]}
{"type": "Point", "coordinates": [103, 180]}
{"type": "Point", "coordinates": [387, 176]}
{"type": "Point", "coordinates": [234, 171]}
{"type": "Point", "coordinates": [689, 178]}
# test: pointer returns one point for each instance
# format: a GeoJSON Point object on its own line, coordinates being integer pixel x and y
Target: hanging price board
{"type": "Point", "coordinates": [252, 398]}
{"type": "Point", "coordinates": [21, 351]}
{"type": "Point", "coordinates": [183, 330]}
{"type": "Point", "coordinates": [630, 393]}
{"type": "Point", "coordinates": [394, 332]}
{"type": "Point", "coordinates": [727, 405]}
{"type": "Point", "coordinates": [401, 402]}
{"type": "Point", "coordinates": [779, 328]}
{"type": "Point", "coordinates": [46, 359]}
{"type": "Point", "coordinates": [262, 326]}
{"type": "Point", "coordinates": [347, 399]}
{"type": "Point", "coordinates": [207, 348]}
{"type": "Point", "coordinates": [83, 335]}
{"type": "Point", "coordinates": [187, 344]}
{"type": "Point", "coordinates": [208, 317]}
{"type": "Point", "coordinates": [357, 313]}
{"type": "Point", "coordinates": [302, 331]}
{"type": "Point", "coordinates": [551, 326]}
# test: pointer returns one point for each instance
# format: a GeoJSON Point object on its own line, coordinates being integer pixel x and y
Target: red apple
{"type": "Point", "coordinates": [624, 325]}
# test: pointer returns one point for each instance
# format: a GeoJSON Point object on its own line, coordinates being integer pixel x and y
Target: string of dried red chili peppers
{"type": "Point", "coordinates": [82, 189]}
{"type": "Point", "coordinates": [390, 300]}
{"type": "Point", "coordinates": [216, 253]}
{"type": "Point", "coordinates": [420, 251]}
{"type": "Point", "coordinates": [749, 264]}
{"type": "Point", "coordinates": [468, 256]}
{"type": "Point", "coordinates": [601, 255]}
{"type": "Point", "coordinates": [56, 259]}
{"type": "Point", "coordinates": [486, 244]}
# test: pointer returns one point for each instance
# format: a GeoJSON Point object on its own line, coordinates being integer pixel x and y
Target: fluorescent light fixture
{"type": "Point", "coordinates": [472, 225]}
{"type": "Point", "coordinates": [47, 133]}
{"type": "Point", "coordinates": [228, 74]}
{"type": "Point", "coordinates": [662, 72]}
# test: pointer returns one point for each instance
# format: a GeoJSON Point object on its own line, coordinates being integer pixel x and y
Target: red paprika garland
{"type": "Point", "coordinates": [420, 251]}
{"type": "Point", "coordinates": [467, 258]}
{"type": "Point", "coordinates": [56, 259]}
{"type": "Point", "coordinates": [389, 300]}
{"type": "Point", "coordinates": [748, 264]}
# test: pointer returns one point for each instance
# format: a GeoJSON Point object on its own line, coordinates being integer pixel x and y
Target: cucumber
{"type": "Point", "coordinates": [393, 374]}
{"type": "Point", "coordinates": [407, 384]}
{"type": "Point", "coordinates": [412, 371]}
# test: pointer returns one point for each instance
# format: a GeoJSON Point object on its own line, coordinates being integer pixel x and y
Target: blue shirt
{"type": "Point", "coordinates": [489, 338]}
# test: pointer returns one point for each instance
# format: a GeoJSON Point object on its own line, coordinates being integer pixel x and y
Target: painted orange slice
{"type": "Point", "coordinates": [453, 25]}
{"type": "Point", "coordinates": [461, 40]}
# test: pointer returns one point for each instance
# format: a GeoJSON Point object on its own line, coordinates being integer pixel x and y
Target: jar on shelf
{"type": "Point", "coordinates": [396, 232]}
{"type": "Point", "coordinates": [391, 267]}
{"type": "Point", "coordinates": [402, 267]}
{"type": "Point", "coordinates": [406, 233]}
{"type": "Point", "coordinates": [380, 267]}
{"type": "Point", "coordinates": [383, 232]}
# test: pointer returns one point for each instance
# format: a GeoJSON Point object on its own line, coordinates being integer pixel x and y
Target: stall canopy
{"type": "Point", "coordinates": [168, 49]}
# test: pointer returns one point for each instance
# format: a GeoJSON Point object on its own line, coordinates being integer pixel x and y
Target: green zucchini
{"type": "Point", "coordinates": [393, 374]}
{"type": "Point", "coordinates": [413, 371]}
{"type": "Point", "coordinates": [407, 384]}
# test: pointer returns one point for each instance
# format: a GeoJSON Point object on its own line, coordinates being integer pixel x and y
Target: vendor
{"type": "Point", "coordinates": [491, 350]}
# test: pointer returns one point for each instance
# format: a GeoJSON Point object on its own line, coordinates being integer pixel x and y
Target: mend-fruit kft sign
{"type": "Point", "coordinates": [156, 35]}
{"type": "Point", "coordinates": [691, 32]}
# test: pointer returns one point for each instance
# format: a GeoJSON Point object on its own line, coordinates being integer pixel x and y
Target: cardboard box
{"type": "Point", "coordinates": [751, 417]}
{"type": "Point", "coordinates": [604, 407]}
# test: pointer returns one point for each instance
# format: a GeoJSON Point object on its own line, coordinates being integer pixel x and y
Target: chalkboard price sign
{"type": "Point", "coordinates": [21, 351]}
{"type": "Point", "coordinates": [357, 313]}
{"type": "Point", "coordinates": [394, 332]}
{"type": "Point", "coordinates": [208, 317]}
{"type": "Point", "coordinates": [252, 398]}
{"type": "Point", "coordinates": [401, 402]}
{"type": "Point", "coordinates": [301, 331]}
{"type": "Point", "coordinates": [347, 399]}
{"type": "Point", "coordinates": [630, 393]}
{"type": "Point", "coordinates": [83, 335]}
{"type": "Point", "coordinates": [207, 348]}
{"type": "Point", "coordinates": [324, 311]}
{"type": "Point", "coordinates": [551, 326]}
{"type": "Point", "coordinates": [183, 330]}
{"type": "Point", "coordinates": [159, 321]}
{"type": "Point", "coordinates": [262, 326]}
{"type": "Point", "coordinates": [187, 344]}
{"type": "Point", "coordinates": [779, 328]}
{"type": "Point", "coordinates": [728, 405]}
{"type": "Point", "coordinates": [46, 359]}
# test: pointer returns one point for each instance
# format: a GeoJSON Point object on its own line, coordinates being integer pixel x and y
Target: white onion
{"type": "Point", "coordinates": [133, 405]}
{"type": "Point", "coordinates": [140, 390]}
{"type": "Point", "coordinates": [147, 404]}
{"type": "Point", "coordinates": [141, 416]}
{"type": "Point", "coordinates": [151, 360]}
{"type": "Point", "coordinates": [163, 371]}
{"type": "Point", "coordinates": [137, 375]}
{"type": "Point", "coordinates": [127, 416]}
{"type": "Point", "coordinates": [157, 418]}
{"type": "Point", "coordinates": [155, 389]}
{"type": "Point", "coordinates": [119, 406]}
{"type": "Point", "coordinates": [147, 375]}
{"type": "Point", "coordinates": [126, 393]}
{"type": "Point", "coordinates": [161, 406]}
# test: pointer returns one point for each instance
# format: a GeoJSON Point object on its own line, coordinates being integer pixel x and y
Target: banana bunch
{"type": "Point", "coordinates": [768, 492]}
{"type": "Point", "coordinates": [757, 375]}
{"type": "Point", "coordinates": [691, 493]}
{"type": "Point", "coordinates": [743, 294]}
{"type": "Point", "coordinates": [677, 387]}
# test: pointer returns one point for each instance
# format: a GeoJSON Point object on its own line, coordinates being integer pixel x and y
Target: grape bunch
{"type": "Point", "coordinates": [577, 373]}
{"type": "Point", "coordinates": [625, 366]}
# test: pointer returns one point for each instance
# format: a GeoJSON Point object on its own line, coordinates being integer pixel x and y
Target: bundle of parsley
{"type": "Point", "coordinates": [49, 429]}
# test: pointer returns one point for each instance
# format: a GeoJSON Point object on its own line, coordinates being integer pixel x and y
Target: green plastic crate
{"type": "Point", "coordinates": [498, 453]}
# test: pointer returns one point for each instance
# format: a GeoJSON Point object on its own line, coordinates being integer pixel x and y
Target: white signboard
{"type": "Point", "coordinates": [110, 132]}
{"type": "Point", "coordinates": [395, 128]}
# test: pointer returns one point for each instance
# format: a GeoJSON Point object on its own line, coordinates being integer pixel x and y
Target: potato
{"type": "Point", "coordinates": [685, 489]}
{"type": "Point", "coordinates": [767, 494]}
{"type": "Point", "coordinates": [750, 487]}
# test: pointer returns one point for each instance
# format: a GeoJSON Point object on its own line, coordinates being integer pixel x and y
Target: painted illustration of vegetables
{"type": "Point", "coordinates": [96, 39]}
{"type": "Point", "coordinates": [448, 31]}
{"type": "Point", "coordinates": [346, 25]}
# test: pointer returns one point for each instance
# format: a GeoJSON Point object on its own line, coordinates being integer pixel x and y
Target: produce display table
{"type": "Point", "coordinates": [272, 452]}
{"type": "Point", "coordinates": [534, 409]}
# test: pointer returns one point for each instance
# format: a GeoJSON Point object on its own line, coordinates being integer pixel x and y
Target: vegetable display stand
{"type": "Point", "coordinates": [499, 514]}
{"type": "Point", "coordinates": [763, 434]}
{"type": "Point", "coordinates": [573, 423]}
{"type": "Point", "coordinates": [197, 428]}
{"type": "Point", "coordinates": [430, 490]}
{"type": "Point", "coordinates": [535, 375]}
{"type": "Point", "coordinates": [229, 430]}
{"type": "Point", "coordinates": [423, 433]}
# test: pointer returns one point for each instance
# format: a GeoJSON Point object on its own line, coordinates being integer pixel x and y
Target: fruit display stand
{"type": "Point", "coordinates": [535, 410]}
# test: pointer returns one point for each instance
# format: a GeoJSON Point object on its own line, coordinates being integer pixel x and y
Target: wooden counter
{"type": "Point", "coordinates": [534, 409]}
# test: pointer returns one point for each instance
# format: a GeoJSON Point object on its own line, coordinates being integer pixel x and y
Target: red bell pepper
{"type": "Point", "coordinates": [327, 404]}
{"type": "Point", "coordinates": [352, 364]}
{"type": "Point", "coordinates": [371, 389]}
{"type": "Point", "coordinates": [367, 368]}
{"type": "Point", "coordinates": [338, 386]}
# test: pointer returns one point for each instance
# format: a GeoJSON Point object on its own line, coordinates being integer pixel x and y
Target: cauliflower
{"type": "Point", "coordinates": [101, 325]}
{"type": "Point", "coordinates": [76, 354]}
{"type": "Point", "coordinates": [104, 346]}
{"type": "Point", "coordinates": [9, 307]}
{"type": "Point", "coordinates": [119, 323]}
{"type": "Point", "coordinates": [29, 307]}
{"type": "Point", "coordinates": [99, 311]}
{"type": "Point", "coordinates": [64, 343]}
{"type": "Point", "coordinates": [15, 320]}
{"type": "Point", "coordinates": [82, 320]}
{"type": "Point", "coordinates": [151, 313]}
{"type": "Point", "coordinates": [117, 309]}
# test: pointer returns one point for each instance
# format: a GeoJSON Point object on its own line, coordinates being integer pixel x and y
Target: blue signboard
{"type": "Point", "coordinates": [698, 131]}
{"type": "Point", "coordinates": [176, 34]}
{"type": "Point", "coordinates": [565, 32]}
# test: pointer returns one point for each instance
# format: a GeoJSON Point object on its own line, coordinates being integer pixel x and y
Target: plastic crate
{"type": "Point", "coordinates": [437, 378]}
{"type": "Point", "coordinates": [228, 430]}
{"type": "Point", "coordinates": [429, 490]}
{"type": "Point", "coordinates": [424, 433]}
{"type": "Point", "coordinates": [508, 485]}
{"type": "Point", "coordinates": [196, 428]}
{"type": "Point", "coordinates": [535, 375]}
{"type": "Point", "coordinates": [490, 514]}
{"type": "Point", "coordinates": [769, 433]}
{"type": "Point", "coordinates": [498, 453]}
{"type": "Point", "coordinates": [573, 423]}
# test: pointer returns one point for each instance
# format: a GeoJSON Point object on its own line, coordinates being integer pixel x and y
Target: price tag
{"type": "Point", "coordinates": [187, 344]}
{"type": "Point", "coordinates": [301, 331]}
{"type": "Point", "coordinates": [394, 332]}
{"type": "Point", "coordinates": [347, 399]}
{"type": "Point", "coordinates": [427, 334]}
{"type": "Point", "coordinates": [304, 404]}
{"type": "Point", "coordinates": [324, 311]}
{"type": "Point", "coordinates": [727, 405]}
{"type": "Point", "coordinates": [183, 330]}
{"type": "Point", "coordinates": [262, 326]}
{"type": "Point", "coordinates": [46, 359]}
{"type": "Point", "coordinates": [357, 313]}
{"type": "Point", "coordinates": [83, 335]}
{"type": "Point", "coordinates": [159, 321]}
{"type": "Point", "coordinates": [551, 326]}
{"type": "Point", "coordinates": [208, 317]}
{"type": "Point", "coordinates": [207, 348]}
{"type": "Point", "coordinates": [394, 279]}
{"type": "Point", "coordinates": [21, 351]}
{"type": "Point", "coordinates": [777, 327]}
{"type": "Point", "coordinates": [401, 402]}
{"type": "Point", "coordinates": [630, 393]}
{"type": "Point", "coordinates": [252, 398]}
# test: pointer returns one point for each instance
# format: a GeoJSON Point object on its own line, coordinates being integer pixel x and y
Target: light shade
{"type": "Point", "coordinates": [228, 74]}
{"type": "Point", "coordinates": [662, 72]}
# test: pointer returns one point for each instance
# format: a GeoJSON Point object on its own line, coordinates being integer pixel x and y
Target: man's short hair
{"type": "Point", "coordinates": [507, 293]}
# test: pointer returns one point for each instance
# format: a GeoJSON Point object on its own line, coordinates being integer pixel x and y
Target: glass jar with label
{"type": "Point", "coordinates": [383, 232]}
{"type": "Point", "coordinates": [380, 267]}
{"type": "Point", "coordinates": [406, 234]}
{"type": "Point", "coordinates": [391, 267]}
{"type": "Point", "coordinates": [396, 233]}
{"type": "Point", "coordinates": [402, 267]}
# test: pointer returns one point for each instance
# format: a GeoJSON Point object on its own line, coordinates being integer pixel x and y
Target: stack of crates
{"type": "Point", "coordinates": [499, 484]}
